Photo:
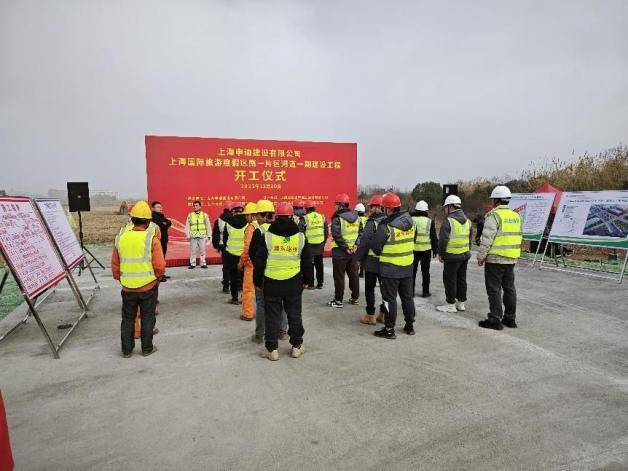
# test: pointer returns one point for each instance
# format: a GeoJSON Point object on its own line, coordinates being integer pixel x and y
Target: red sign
{"type": "Point", "coordinates": [182, 170]}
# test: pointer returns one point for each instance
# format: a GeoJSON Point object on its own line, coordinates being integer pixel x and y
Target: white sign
{"type": "Point", "coordinates": [61, 231]}
{"type": "Point", "coordinates": [534, 209]}
{"type": "Point", "coordinates": [592, 218]}
{"type": "Point", "coordinates": [27, 247]}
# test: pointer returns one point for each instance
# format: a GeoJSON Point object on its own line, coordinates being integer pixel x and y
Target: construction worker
{"type": "Point", "coordinates": [425, 246]}
{"type": "Point", "coordinates": [197, 227]}
{"type": "Point", "coordinates": [394, 243]}
{"type": "Point", "coordinates": [299, 213]}
{"type": "Point", "coordinates": [316, 232]}
{"type": "Point", "coordinates": [245, 264]}
{"type": "Point", "coordinates": [454, 245]}
{"type": "Point", "coordinates": [370, 261]}
{"type": "Point", "coordinates": [500, 247]}
{"type": "Point", "coordinates": [278, 263]}
{"type": "Point", "coordinates": [138, 263]}
{"type": "Point", "coordinates": [346, 230]}
{"type": "Point", "coordinates": [265, 215]}
{"type": "Point", "coordinates": [233, 237]}
{"type": "Point", "coordinates": [218, 243]}
{"type": "Point", "coordinates": [361, 210]}
{"type": "Point", "coordinates": [164, 224]}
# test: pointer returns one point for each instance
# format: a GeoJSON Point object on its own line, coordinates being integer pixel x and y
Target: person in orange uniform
{"type": "Point", "coordinates": [138, 263]}
{"type": "Point", "coordinates": [245, 263]}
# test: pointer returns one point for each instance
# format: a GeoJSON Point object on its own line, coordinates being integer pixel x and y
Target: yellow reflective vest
{"type": "Point", "coordinates": [507, 242]}
{"type": "Point", "coordinates": [221, 230]}
{"type": "Point", "coordinates": [263, 227]}
{"type": "Point", "coordinates": [398, 249]}
{"type": "Point", "coordinates": [349, 232]}
{"type": "Point", "coordinates": [135, 249]}
{"type": "Point", "coordinates": [371, 253]}
{"type": "Point", "coordinates": [197, 224]}
{"type": "Point", "coordinates": [458, 237]}
{"type": "Point", "coordinates": [235, 240]}
{"type": "Point", "coordinates": [422, 225]}
{"type": "Point", "coordinates": [284, 255]}
{"type": "Point", "coordinates": [315, 228]}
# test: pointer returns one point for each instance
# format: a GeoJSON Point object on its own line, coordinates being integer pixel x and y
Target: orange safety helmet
{"type": "Point", "coordinates": [376, 200]}
{"type": "Point", "coordinates": [391, 200]}
{"type": "Point", "coordinates": [298, 203]}
{"type": "Point", "coordinates": [342, 198]}
{"type": "Point", "coordinates": [284, 209]}
{"type": "Point", "coordinates": [310, 204]}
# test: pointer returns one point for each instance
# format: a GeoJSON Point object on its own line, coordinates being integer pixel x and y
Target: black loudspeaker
{"type": "Point", "coordinates": [78, 196]}
{"type": "Point", "coordinates": [449, 190]}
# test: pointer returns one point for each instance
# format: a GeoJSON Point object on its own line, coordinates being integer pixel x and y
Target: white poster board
{"type": "Point", "coordinates": [595, 218]}
{"type": "Point", "coordinates": [534, 209]}
{"type": "Point", "coordinates": [27, 247]}
{"type": "Point", "coordinates": [61, 231]}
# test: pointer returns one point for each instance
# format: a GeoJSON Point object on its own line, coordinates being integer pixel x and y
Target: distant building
{"type": "Point", "coordinates": [104, 194]}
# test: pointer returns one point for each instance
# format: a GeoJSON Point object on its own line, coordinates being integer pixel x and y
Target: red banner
{"type": "Point", "coordinates": [182, 170]}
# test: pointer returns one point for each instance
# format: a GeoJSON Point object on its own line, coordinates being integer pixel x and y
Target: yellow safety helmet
{"type": "Point", "coordinates": [250, 208]}
{"type": "Point", "coordinates": [141, 210]}
{"type": "Point", "coordinates": [265, 206]}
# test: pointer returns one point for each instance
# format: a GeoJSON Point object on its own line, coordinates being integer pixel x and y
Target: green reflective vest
{"type": "Point", "coordinates": [363, 219]}
{"type": "Point", "coordinates": [507, 242]}
{"type": "Point", "coordinates": [235, 241]}
{"type": "Point", "coordinates": [349, 232]}
{"type": "Point", "coordinates": [398, 249]}
{"type": "Point", "coordinates": [315, 228]}
{"type": "Point", "coordinates": [135, 249]}
{"type": "Point", "coordinates": [284, 255]}
{"type": "Point", "coordinates": [458, 237]}
{"type": "Point", "coordinates": [197, 224]}
{"type": "Point", "coordinates": [422, 225]}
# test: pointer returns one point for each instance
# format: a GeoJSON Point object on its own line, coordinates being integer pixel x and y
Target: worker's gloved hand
{"type": "Point", "coordinates": [440, 258]}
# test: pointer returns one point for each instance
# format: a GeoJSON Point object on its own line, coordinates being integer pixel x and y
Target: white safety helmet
{"type": "Point", "coordinates": [421, 206]}
{"type": "Point", "coordinates": [360, 208]}
{"type": "Point", "coordinates": [452, 199]}
{"type": "Point", "coordinates": [501, 192]}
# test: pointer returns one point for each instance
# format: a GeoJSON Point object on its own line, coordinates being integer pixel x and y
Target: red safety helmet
{"type": "Point", "coordinates": [298, 203]}
{"type": "Point", "coordinates": [284, 209]}
{"type": "Point", "coordinates": [391, 200]}
{"type": "Point", "coordinates": [310, 204]}
{"type": "Point", "coordinates": [342, 198]}
{"type": "Point", "coordinates": [237, 204]}
{"type": "Point", "coordinates": [228, 205]}
{"type": "Point", "coordinates": [376, 200]}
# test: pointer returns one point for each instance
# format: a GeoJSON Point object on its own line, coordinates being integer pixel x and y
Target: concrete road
{"type": "Point", "coordinates": [552, 394]}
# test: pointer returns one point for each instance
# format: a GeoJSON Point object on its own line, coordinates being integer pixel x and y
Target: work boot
{"type": "Point", "coordinates": [381, 318]}
{"type": "Point", "coordinates": [354, 301]}
{"type": "Point", "coordinates": [447, 308]}
{"type": "Point", "coordinates": [296, 352]}
{"type": "Point", "coordinates": [234, 301]}
{"type": "Point", "coordinates": [257, 338]}
{"type": "Point", "coordinates": [191, 267]}
{"type": "Point", "coordinates": [272, 356]}
{"type": "Point", "coordinates": [319, 286]}
{"type": "Point", "coordinates": [127, 355]}
{"type": "Point", "coordinates": [336, 304]}
{"type": "Point", "coordinates": [385, 333]}
{"type": "Point", "coordinates": [368, 319]}
{"type": "Point", "coordinates": [460, 306]}
{"type": "Point", "coordinates": [408, 329]}
{"type": "Point", "coordinates": [225, 289]}
{"type": "Point", "coordinates": [203, 266]}
{"type": "Point", "coordinates": [244, 318]}
{"type": "Point", "coordinates": [426, 294]}
{"type": "Point", "coordinates": [150, 352]}
{"type": "Point", "coordinates": [283, 335]}
{"type": "Point", "coordinates": [491, 323]}
{"type": "Point", "coordinates": [510, 323]}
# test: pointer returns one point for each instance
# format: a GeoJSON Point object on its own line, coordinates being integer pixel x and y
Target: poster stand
{"type": "Point", "coordinates": [85, 263]}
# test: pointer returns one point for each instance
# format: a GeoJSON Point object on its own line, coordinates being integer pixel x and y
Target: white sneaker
{"type": "Point", "coordinates": [460, 306]}
{"type": "Point", "coordinates": [272, 356]}
{"type": "Point", "coordinates": [447, 308]}
{"type": "Point", "coordinates": [297, 352]}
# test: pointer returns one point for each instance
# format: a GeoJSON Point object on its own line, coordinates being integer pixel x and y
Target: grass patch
{"type": "Point", "coordinates": [10, 298]}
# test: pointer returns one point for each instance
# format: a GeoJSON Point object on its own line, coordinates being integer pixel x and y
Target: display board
{"type": "Point", "coordinates": [595, 218]}
{"type": "Point", "coordinates": [534, 209]}
{"type": "Point", "coordinates": [27, 247]}
{"type": "Point", "coordinates": [181, 170]}
{"type": "Point", "coordinates": [57, 221]}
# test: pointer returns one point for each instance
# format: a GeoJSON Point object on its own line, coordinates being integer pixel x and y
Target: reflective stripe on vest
{"type": "Point", "coordinates": [221, 230]}
{"type": "Point", "coordinates": [314, 228]}
{"type": "Point", "coordinates": [507, 242]}
{"type": "Point", "coordinates": [135, 249]}
{"type": "Point", "coordinates": [349, 232]}
{"type": "Point", "coordinates": [371, 253]}
{"type": "Point", "coordinates": [422, 225]}
{"type": "Point", "coordinates": [197, 224]}
{"type": "Point", "coordinates": [284, 255]}
{"type": "Point", "coordinates": [458, 237]}
{"type": "Point", "coordinates": [398, 249]}
{"type": "Point", "coordinates": [235, 241]}
{"type": "Point", "coordinates": [263, 228]}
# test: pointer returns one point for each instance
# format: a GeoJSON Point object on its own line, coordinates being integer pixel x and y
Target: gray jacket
{"type": "Point", "coordinates": [402, 221]}
{"type": "Point", "coordinates": [340, 252]}
{"type": "Point", "coordinates": [491, 226]}
{"type": "Point", "coordinates": [369, 262]}
{"type": "Point", "coordinates": [443, 238]}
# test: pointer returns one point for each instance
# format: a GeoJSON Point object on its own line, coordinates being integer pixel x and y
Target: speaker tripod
{"type": "Point", "coordinates": [85, 264]}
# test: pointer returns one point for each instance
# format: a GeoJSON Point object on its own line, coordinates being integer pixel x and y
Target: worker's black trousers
{"type": "Point", "coordinates": [423, 257]}
{"type": "Point", "coordinates": [498, 278]}
{"type": "Point", "coordinates": [225, 270]}
{"type": "Point", "coordinates": [350, 267]}
{"type": "Point", "coordinates": [274, 306]}
{"type": "Point", "coordinates": [147, 302]}
{"type": "Point", "coordinates": [370, 281]}
{"type": "Point", "coordinates": [317, 261]}
{"type": "Point", "coordinates": [235, 279]}
{"type": "Point", "coordinates": [391, 287]}
{"type": "Point", "coordinates": [455, 280]}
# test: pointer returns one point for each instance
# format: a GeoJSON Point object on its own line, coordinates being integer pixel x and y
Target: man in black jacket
{"type": "Point", "coordinates": [219, 244]}
{"type": "Point", "coordinates": [278, 266]}
{"type": "Point", "coordinates": [163, 224]}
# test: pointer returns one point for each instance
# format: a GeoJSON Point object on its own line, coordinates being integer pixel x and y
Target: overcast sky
{"type": "Point", "coordinates": [437, 90]}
